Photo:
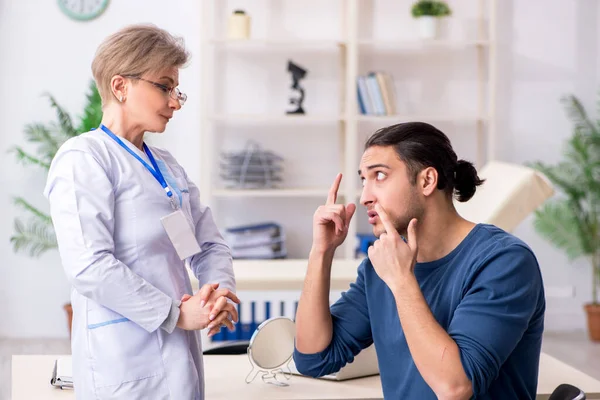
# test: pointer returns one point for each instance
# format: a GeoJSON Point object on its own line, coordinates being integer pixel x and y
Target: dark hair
{"type": "Point", "coordinates": [420, 145]}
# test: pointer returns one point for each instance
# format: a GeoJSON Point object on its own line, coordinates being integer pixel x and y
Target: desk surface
{"type": "Point", "coordinates": [31, 380]}
{"type": "Point", "coordinates": [224, 377]}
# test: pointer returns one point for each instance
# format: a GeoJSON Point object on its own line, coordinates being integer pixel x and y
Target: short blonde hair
{"type": "Point", "coordinates": [135, 50]}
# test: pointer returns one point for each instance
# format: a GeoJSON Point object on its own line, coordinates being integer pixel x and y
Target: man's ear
{"type": "Point", "coordinates": [427, 181]}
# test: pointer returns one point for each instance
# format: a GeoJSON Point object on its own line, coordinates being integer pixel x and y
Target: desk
{"type": "Point", "coordinates": [224, 377]}
{"type": "Point", "coordinates": [553, 372]}
{"type": "Point", "coordinates": [31, 380]}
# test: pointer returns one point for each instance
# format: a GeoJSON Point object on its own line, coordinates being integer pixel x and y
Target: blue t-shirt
{"type": "Point", "coordinates": [487, 294]}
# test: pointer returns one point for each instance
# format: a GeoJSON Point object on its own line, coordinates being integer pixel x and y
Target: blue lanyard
{"type": "Point", "coordinates": [154, 171]}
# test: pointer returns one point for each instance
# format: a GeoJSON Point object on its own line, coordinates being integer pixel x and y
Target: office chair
{"type": "Point", "coordinates": [567, 392]}
{"type": "Point", "coordinates": [229, 348]}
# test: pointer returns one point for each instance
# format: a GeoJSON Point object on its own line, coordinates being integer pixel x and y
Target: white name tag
{"type": "Point", "coordinates": [181, 234]}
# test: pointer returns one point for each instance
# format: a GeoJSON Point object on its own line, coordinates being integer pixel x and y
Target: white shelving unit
{"type": "Point", "coordinates": [347, 124]}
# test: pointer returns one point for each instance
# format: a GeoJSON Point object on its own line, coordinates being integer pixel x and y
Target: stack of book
{"type": "Point", "coordinates": [376, 94]}
{"type": "Point", "coordinates": [261, 241]}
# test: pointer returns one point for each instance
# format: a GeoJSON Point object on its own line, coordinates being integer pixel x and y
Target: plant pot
{"type": "Point", "coordinates": [69, 310]}
{"type": "Point", "coordinates": [428, 27]}
{"type": "Point", "coordinates": [593, 319]}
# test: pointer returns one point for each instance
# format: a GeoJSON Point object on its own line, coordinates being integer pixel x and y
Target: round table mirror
{"type": "Point", "coordinates": [271, 349]}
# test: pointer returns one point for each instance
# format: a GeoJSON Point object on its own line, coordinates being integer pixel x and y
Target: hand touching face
{"type": "Point", "coordinates": [392, 258]}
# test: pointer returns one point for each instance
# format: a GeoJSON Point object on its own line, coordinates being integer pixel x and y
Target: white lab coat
{"type": "Point", "coordinates": [125, 274]}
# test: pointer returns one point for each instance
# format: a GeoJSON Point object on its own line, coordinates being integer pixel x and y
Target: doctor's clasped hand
{"type": "Point", "coordinates": [209, 308]}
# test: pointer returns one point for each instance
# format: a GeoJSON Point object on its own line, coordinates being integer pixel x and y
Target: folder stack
{"type": "Point", "coordinates": [261, 241]}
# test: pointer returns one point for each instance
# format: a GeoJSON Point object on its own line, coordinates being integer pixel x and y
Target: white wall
{"type": "Point", "coordinates": [551, 49]}
{"type": "Point", "coordinates": [547, 48]}
{"type": "Point", "coordinates": [42, 50]}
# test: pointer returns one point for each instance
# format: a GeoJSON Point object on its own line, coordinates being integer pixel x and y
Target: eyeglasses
{"type": "Point", "coordinates": [173, 92]}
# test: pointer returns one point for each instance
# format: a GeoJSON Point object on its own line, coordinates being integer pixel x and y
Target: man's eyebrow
{"type": "Point", "coordinates": [375, 166]}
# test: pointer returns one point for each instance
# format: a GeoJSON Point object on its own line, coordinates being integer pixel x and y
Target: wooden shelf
{"type": "Point", "coordinates": [330, 119]}
{"type": "Point", "coordinates": [275, 44]}
{"type": "Point", "coordinates": [287, 274]}
{"type": "Point", "coordinates": [390, 119]}
{"type": "Point", "coordinates": [421, 44]}
{"type": "Point", "coordinates": [276, 119]}
{"type": "Point", "coordinates": [271, 193]}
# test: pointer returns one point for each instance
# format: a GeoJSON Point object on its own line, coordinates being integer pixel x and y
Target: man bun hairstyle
{"type": "Point", "coordinates": [420, 145]}
{"type": "Point", "coordinates": [466, 180]}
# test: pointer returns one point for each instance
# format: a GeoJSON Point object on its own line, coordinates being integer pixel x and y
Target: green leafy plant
{"type": "Point", "coordinates": [430, 8]}
{"type": "Point", "coordinates": [36, 235]}
{"type": "Point", "coordinates": [572, 222]}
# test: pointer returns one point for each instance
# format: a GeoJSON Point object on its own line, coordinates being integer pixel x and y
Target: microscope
{"type": "Point", "coordinates": [297, 74]}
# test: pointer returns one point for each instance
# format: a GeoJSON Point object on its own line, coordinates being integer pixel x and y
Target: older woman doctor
{"type": "Point", "coordinates": [126, 218]}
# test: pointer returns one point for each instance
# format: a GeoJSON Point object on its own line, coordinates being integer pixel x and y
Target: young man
{"type": "Point", "coordinates": [455, 309]}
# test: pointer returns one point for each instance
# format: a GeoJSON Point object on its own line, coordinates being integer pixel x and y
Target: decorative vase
{"type": "Point", "coordinates": [428, 27]}
{"type": "Point", "coordinates": [239, 25]}
{"type": "Point", "coordinates": [593, 320]}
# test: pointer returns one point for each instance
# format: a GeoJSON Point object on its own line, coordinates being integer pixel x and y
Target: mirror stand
{"type": "Point", "coordinates": [270, 376]}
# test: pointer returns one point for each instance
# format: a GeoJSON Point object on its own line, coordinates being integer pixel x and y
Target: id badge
{"type": "Point", "coordinates": [181, 234]}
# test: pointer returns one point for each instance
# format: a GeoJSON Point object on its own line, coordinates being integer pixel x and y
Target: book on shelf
{"type": "Point", "coordinates": [376, 94]}
{"type": "Point", "coordinates": [364, 101]}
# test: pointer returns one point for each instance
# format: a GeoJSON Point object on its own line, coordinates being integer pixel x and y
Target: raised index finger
{"type": "Point", "coordinates": [332, 196]}
{"type": "Point", "coordinates": [390, 229]}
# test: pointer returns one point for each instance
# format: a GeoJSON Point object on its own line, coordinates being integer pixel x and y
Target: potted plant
{"type": "Point", "coordinates": [572, 221]}
{"type": "Point", "coordinates": [428, 13]}
{"type": "Point", "coordinates": [35, 236]}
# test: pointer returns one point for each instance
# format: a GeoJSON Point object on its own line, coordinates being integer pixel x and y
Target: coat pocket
{"type": "Point", "coordinates": [120, 350]}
